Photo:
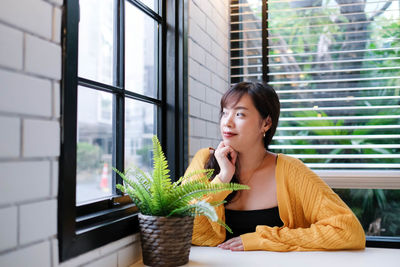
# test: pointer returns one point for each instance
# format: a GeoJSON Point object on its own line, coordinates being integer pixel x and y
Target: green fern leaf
{"type": "Point", "coordinates": [193, 190]}
{"type": "Point", "coordinates": [184, 178]}
{"type": "Point", "coordinates": [158, 196]}
{"type": "Point", "coordinates": [222, 223]}
{"type": "Point", "coordinates": [161, 183]}
{"type": "Point", "coordinates": [200, 208]}
{"type": "Point", "coordinates": [137, 192]}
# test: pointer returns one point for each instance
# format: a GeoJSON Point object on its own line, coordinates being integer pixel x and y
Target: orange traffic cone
{"type": "Point", "coordinates": [104, 178]}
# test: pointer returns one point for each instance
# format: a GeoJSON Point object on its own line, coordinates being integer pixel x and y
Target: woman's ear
{"type": "Point", "coordinates": [267, 123]}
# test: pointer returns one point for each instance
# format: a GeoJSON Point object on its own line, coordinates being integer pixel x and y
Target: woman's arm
{"type": "Point", "coordinates": [206, 232]}
{"type": "Point", "coordinates": [334, 228]}
{"type": "Point", "coordinates": [317, 220]}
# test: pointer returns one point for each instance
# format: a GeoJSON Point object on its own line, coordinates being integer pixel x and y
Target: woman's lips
{"type": "Point", "coordinates": [228, 134]}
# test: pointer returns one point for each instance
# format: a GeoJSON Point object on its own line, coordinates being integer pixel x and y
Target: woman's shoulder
{"type": "Point", "coordinates": [290, 162]}
{"type": "Point", "coordinates": [293, 167]}
{"type": "Point", "coordinates": [203, 154]}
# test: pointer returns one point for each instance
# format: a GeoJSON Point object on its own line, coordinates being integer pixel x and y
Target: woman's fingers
{"type": "Point", "coordinates": [221, 145]}
{"type": "Point", "coordinates": [237, 248]}
{"type": "Point", "coordinates": [234, 156]}
{"type": "Point", "coordinates": [225, 151]}
{"type": "Point", "coordinates": [234, 244]}
{"type": "Point", "coordinates": [226, 244]}
{"type": "Point", "coordinates": [226, 158]}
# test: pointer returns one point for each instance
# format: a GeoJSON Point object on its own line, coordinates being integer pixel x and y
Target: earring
{"type": "Point", "coordinates": [264, 135]}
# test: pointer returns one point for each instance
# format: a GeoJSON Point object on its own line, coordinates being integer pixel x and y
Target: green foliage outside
{"type": "Point", "coordinates": [370, 205]}
{"type": "Point", "coordinates": [144, 153]}
{"type": "Point", "coordinates": [300, 32]}
{"type": "Point", "coordinates": [157, 195]}
{"type": "Point", "coordinates": [88, 157]}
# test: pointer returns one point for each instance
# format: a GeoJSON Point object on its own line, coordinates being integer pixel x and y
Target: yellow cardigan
{"type": "Point", "coordinates": [314, 216]}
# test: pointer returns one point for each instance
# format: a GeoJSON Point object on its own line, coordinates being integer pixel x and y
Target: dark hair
{"type": "Point", "coordinates": [266, 102]}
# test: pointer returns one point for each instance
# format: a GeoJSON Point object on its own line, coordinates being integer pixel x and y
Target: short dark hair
{"type": "Point", "coordinates": [265, 99]}
{"type": "Point", "coordinates": [266, 102]}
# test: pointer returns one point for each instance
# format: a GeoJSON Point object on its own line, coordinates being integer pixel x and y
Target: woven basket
{"type": "Point", "coordinates": [166, 241]}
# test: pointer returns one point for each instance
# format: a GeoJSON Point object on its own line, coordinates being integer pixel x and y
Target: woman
{"type": "Point", "coordinates": [288, 207]}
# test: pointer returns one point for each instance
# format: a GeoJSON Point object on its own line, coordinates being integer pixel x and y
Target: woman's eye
{"type": "Point", "coordinates": [239, 114]}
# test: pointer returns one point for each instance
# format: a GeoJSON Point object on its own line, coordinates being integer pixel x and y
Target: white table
{"type": "Point", "coordinates": [370, 257]}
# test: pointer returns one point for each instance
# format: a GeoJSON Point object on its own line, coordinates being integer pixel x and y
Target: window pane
{"type": "Point", "coordinates": [337, 79]}
{"type": "Point", "coordinates": [140, 126]}
{"type": "Point", "coordinates": [377, 209]}
{"type": "Point", "coordinates": [153, 4]}
{"type": "Point", "coordinates": [94, 145]}
{"type": "Point", "coordinates": [141, 38]}
{"type": "Point", "coordinates": [96, 40]}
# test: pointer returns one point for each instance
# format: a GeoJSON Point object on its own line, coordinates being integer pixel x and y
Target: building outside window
{"type": "Point", "coordinates": [97, 62]}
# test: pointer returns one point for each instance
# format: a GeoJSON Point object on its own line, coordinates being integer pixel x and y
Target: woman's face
{"type": "Point", "coordinates": [242, 126]}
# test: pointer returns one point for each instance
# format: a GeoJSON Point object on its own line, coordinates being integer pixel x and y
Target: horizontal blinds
{"type": "Point", "coordinates": [335, 66]}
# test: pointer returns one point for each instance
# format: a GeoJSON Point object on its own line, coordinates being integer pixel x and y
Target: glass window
{"type": "Point", "coordinates": [377, 209]}
{"type": "Point", "coordinates": [111, 108]}
{"type": "Point", "coordinates": [140, 121]}
{"type": "Point", "coordinates": [98, 113]}
{"type": "Point", "coordinates": [94, 145]}
{"type": "Point", "coordinates": [96, 40]}
{"type": "Point", "coordinates": [153, 4]}
{"type": "Point", "coordinates": [335, 67]}
{"type": "Point", "coordinates": [141, 46]}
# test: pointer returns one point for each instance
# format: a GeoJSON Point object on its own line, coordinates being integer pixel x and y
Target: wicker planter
{"type": "Point", "coordinates": [165, 241]}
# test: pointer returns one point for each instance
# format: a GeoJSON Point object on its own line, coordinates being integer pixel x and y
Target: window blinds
{"type": "Point", "coordinates": [336, 68]}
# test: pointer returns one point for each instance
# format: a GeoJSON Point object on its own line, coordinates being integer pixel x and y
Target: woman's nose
{"type": "Point", "coordinates": [228, 120]}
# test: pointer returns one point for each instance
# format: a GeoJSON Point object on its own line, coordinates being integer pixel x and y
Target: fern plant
{"type": "Point", "coordinates": [157, 195]}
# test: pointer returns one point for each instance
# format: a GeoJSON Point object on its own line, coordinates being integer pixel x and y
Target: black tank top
{"type": "Point", "coordinates": [245, 221]}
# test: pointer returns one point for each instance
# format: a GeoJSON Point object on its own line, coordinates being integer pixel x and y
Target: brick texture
{"type": "Point", "coordinates": [30, 73]}
{"type": "Point", "coordinates": [8, 228]}
{"type": "Point", "coordinates": [11, 43]}
{"type": "Point", "coordinates": [208, 51]}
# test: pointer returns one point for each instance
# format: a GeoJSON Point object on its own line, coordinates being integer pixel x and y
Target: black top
{"type": "Point", "coordinates": [245, 221]}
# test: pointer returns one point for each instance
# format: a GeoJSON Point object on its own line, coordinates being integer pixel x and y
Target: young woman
{"type": "Point", "coordinates": [288, 207]}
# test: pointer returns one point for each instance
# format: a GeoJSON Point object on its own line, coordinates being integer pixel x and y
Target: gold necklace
{"type": "Point", "coordinates": [252, 173]}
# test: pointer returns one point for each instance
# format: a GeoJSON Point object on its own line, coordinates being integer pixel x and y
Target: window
{"type": "Point", "coordinates": [335, 67]}
{"type": "Point", "coordinates": [122, 83]}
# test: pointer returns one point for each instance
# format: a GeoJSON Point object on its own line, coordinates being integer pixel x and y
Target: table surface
{"type": "Point", "coordinates": [212, 256]}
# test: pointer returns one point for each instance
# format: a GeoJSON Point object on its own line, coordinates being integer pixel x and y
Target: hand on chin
{"type": "Point", "coordinates": [228, 142]}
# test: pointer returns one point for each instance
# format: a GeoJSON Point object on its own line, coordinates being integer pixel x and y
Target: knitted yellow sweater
{"type": "Point", "coordinates": [314, 216]}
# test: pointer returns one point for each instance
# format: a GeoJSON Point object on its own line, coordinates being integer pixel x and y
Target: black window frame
{"type": "Point", "coordinates": [86, 227]}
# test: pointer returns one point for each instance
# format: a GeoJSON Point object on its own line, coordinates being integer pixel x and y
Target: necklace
{"type": "Point", "coordinates": [254, 170]}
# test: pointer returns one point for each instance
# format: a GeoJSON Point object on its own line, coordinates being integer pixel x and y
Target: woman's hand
{"type": "Point", "coordinates": [226, 157]}
{"type": "Point", "coordinates": [234, 244]}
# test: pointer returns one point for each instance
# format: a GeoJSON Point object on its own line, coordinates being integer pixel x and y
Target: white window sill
{"type": "Point", "coordinates": [362, 179]}
{"type": "Point", "coordinates": [370, 257]}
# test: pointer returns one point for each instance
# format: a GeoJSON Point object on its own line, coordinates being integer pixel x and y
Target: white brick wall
{"type": "Point", "coordinates": [23, 181]}
{"type": "Point", "coordinates": [33, 16]}
{"type": "Point", "coordinates": [37, 221]}
{"type": "Point", "coordinates": [10, 48]}
{"type": "Point", "coordinates": [42, 57]}
{"type": "Point", "coordinates": [30, 73]}
{"type": "Point", "coordinates": [120, 253]}
{"type": "Point", "coordinates": [9, 137]}
{"type": "Point", "coordinates": [208, 50]}
{"type": "Point", "coordinates": [35, 255]}
{"type": "Point", "coordinates": [23, 94]}
{"type": "Point", "coordinates": [41, 138]}
{"type": "Point", "coordinates": [8, 235]}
